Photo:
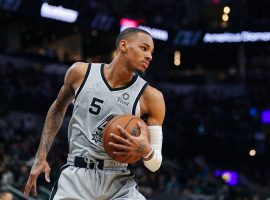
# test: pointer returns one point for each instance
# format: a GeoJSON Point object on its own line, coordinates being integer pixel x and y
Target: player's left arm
{"type": "Point", "coordinates": [154, 106]}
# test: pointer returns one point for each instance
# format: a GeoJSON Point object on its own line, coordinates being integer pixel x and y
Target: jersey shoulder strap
{"type": "Point", "coordinates": [84, 80]}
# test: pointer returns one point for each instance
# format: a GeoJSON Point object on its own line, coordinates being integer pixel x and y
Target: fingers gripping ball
{"type": "Point", "coordinates": [130, 124]}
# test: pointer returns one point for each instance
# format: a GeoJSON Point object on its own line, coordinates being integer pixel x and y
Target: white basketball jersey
{"type": "Point", "coordinates": [95, 104]}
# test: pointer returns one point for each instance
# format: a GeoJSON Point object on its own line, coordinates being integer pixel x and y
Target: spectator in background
{"type": "Point", "coordinates": [173, 186]}
{"type": "Point", "coordinates": [5, 195]}
{"type": "Point", "coordinates": [7, 176]}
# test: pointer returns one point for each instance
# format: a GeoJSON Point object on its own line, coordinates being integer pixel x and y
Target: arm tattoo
{"type": "Point", "coordinates": [140, 148]}
{"type": "Point", "coordinates": [53, 123]}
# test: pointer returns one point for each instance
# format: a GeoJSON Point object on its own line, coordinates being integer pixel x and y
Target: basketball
{"type": "Point", "coordinates": [129, 123]}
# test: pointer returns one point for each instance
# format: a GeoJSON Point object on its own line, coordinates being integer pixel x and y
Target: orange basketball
{"type": "Point", "coordinates": [130, 124]}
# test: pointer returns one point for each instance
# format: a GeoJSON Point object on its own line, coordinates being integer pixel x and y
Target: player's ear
{"type": "Point", "coordinates": [123, 46]}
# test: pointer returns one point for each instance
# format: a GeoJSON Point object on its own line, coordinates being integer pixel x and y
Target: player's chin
{"type": "Point", "coordinates": [142, 68]}
{"type": "Point", "coordinates": [140, 71]}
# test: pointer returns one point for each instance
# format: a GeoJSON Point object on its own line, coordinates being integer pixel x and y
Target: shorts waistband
{"type": "Point", "coordinates": [91, 163]}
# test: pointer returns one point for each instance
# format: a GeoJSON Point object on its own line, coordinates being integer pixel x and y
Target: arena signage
{"type": "Point", "coordinates": [58, 13]}
{"type": "Point", "coordinates": [244, 36]}
{"type": "Point", "coordinates": [156, 33]}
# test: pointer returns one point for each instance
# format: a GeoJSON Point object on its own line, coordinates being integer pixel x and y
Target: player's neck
{"type": "Point", "coordinates": [117, 75]}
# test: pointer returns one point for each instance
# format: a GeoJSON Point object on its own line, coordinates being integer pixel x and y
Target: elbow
{"type": "Point", "coordinates": [153, 165]}
{"type": "Point", "coordinates": [154, 169]}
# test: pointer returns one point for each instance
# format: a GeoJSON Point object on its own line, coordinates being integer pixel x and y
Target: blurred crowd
{"type": "Point", "coordinates": [206, 128]}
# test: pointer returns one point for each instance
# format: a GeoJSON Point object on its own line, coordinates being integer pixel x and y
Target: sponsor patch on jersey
{"type": "Point", "coordinates": [125, 96]}
{"type": "Point", "coordinates": [123, 99]}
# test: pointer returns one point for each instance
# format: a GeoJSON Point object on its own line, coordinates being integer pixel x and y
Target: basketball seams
{"type": "Point", "coordinates": [126, 159]}
{"type": "Point", "coordinates": [107, 128]}
{"type": "Point", "coordinates": [128, 124]}
{"type": "Point", "coordinates": [105, 131]}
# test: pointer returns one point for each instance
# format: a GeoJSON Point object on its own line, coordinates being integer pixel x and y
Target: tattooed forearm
{"type": "Point", "coordinates": [54, 120]}
{"type": "Point", "coordinates": [53, 123]}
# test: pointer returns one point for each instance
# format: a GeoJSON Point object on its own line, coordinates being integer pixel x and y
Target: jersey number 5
{"type": "Point", "coordinates": [95, 106]}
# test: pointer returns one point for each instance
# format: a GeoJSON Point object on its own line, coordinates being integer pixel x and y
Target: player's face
{"type": "Point", "coordinates": [139, 51]}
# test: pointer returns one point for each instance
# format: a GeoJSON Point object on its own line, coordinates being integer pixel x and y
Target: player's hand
{"type": "Point", "coordinates": [138, 145]}
{"type": "Point", "coordinates": [37, 168]}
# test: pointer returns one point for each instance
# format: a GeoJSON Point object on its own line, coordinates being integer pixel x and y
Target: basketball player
{"type": "Point", "coordinates": [101, 91]}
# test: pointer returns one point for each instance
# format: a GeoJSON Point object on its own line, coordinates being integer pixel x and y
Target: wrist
{"type": "Point", "coordinates": [150, 155]}
{"type": "Point", "coordinates": [40, 156]}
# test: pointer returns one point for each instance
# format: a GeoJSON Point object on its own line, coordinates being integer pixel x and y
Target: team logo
{"type": "Point", "coordinates": [125, 96]}
{"type": "Point", "coordinates": [97, 136]}
{"type": "Point", "coordinates": [123, 100]}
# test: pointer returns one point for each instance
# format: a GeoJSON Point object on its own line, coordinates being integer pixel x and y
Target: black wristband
{"type": "Point", "coordinates": [150, 157]}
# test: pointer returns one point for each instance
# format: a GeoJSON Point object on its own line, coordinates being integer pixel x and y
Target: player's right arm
{"type": "Point", "coordinates": [53, 122]}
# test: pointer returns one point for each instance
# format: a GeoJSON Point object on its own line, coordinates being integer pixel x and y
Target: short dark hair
{"type": "Point", "coordinates": [127, 33]}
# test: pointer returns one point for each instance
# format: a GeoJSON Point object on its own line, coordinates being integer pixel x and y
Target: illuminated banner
{"type": "Point", "coordinates": [158, 34]}
{"type": "Point", "coordinates": [266, 116]}
{"type": "Point", "coordinates": [58, 13]}
{"type": "Point", "coordinates": [126, 23]}
{"type": "Point", "coordinates": [244, 36]}
{"type": "Point", "coordinates": [230, 177]}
